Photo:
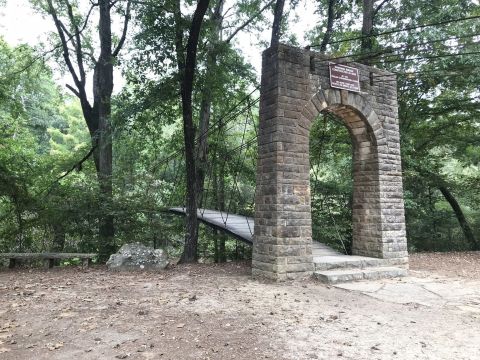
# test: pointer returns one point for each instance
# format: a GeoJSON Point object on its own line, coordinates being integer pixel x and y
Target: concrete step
{"type": "Point", "coordinates": [339, 262]}
{"type": "Point", "coordinates": [372, 273]}
{"type": "Point", "coordinates": [319, 249]}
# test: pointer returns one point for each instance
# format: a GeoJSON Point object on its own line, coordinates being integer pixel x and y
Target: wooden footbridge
{"type": "Point", "coordinates": [241, 227]}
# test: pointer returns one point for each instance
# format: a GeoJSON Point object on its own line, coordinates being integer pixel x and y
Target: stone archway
{"type": "Point", "coordinates": [295, 89]}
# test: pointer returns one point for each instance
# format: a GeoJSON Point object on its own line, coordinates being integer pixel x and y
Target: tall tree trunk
{"type": "Point", "coordinates": [328, 33]}
{"type": "Point", "coordinates": [102, 93]}
{"type": "Point", "coordinates": [202, 147]}
{"type": "Point", "coordinates": [277, 22]}
{"type": "Point", "coordinates": [367, 29]}
{"type": "Point", "coordinates": [467, 230]}
{"type": "Point", "coordinates": [370, 12]}
{"type": "Point", "coordinates": [219, 199]}
{"type": "Point", "coordinates": [187, 67]}
{"type": "Point", "coordinates": [206, 102]}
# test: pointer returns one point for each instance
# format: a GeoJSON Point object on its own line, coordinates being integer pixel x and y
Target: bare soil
{"type": "Point", "coordinates": [219, 312]}
{"type": "Point", "coordinates": [452, 264]}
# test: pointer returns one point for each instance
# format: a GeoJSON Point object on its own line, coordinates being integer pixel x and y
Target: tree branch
{"type": "Point", "coordinates": [77, 165]}
{"type": "Point", "coordinates": [379, 6]}
{"type": "Point", "coordinates": [77, 43]}
{"type": "Point", "coordinates": [124, 32]}
{"type": "Point", "coordinates": [70, 36]}
{"type": "Point", "coordinates": [152, 3]}
{"type": "Point", "coordinates": [64, 42]}
{"type": "Point", "coordinates": [47, 52]}
{"type": "Point", "coordinates": [248, 22]}
{"type": "Point", "coordinates": [73, 90]}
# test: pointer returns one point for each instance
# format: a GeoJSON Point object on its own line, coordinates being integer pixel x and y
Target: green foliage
{"type": "Point", "coordinates": [331, 182]}
{"type": "Point", "coordinates": [43, 134]}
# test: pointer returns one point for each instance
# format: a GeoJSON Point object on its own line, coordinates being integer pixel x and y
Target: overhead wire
{"type": "Point", "coordinates": [406, 28]}
{"type": "Point", "coordinates": [224, 119]}
{"type": "Point", "coordinates": [361, 55]}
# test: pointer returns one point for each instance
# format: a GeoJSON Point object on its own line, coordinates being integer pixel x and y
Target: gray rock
{"type": "Point", "coordinates": [137, 256]}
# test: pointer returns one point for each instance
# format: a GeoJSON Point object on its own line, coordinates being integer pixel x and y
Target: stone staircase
{"type": "Point", "coordinates": [332, 267]}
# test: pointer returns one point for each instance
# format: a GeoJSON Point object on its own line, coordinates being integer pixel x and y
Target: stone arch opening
{"type": "Point", "coordinates": [365, 202]}
{"type": "Point", "coordinates": [331, 182]}
{"type": "Point", "coordinates": [295, 89]}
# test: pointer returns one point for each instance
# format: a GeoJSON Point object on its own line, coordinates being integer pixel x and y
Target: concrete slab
{"type": "Point", "coordinates": [440, 292]}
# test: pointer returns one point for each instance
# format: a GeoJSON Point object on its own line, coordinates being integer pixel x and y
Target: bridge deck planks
{"type": "Point", "coordinates": [237, 225]}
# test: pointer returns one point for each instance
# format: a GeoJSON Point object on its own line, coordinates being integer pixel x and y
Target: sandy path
{"type": "Point", "coordinates": [216, 312]}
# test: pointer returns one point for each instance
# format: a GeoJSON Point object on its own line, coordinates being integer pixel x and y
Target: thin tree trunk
{"type": "Point", "coordinates": [215, 202]}
{"type": "Point", "coordinates": [206, 103]}
{"type": "Point", "coordinates": [58, 237]}
{"type": "Point", "coordinates": [187, 71]}
{"type": "Point", "coordinates": [202, 147]}
{"type": "Point", "coordinates": [277, 22]}
{"type": "Point", "coordinates": [328, 33]}
{"type": "Point", "coordinates": [219, 199]}
{"type": "Point", "coordinates": [20, 235]}
{"type": "Point", "coordinates": [102, 92]}
{"type": "Point", "coordinates": [367, 29]}
{"type": "Point", "coordinates": [467, 230]}
{"type": "Point", "coordinates": [431, 204]}
{"type": "Point", "coordinates": [221, 206]}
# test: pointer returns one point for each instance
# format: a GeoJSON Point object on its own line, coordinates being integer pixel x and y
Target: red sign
{"type": "Point", "coordinates": [344, 77]}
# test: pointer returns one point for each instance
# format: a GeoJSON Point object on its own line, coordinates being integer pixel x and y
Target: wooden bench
{"type": "Point", "coordinates": [50, 257]}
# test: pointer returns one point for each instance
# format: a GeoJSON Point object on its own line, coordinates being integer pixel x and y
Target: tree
{"type": "Point", "coordinates": [186, 62]}
{"type": "Point", "coordinates": [329, 28]}
{"type": "Point", "coordinates": [71, 33]}
{"type": "Point", "coordinates": [219, 76]}
{"type": "Point", "coordinates": [370, 11]}
{"type": "Point", "coordinates": [277, 22]}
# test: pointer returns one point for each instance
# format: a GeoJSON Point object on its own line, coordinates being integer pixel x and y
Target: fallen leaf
{"type": "Point", "coordinates": [66, 315]}
{"type": "Point", "coordinates": [56, 346]}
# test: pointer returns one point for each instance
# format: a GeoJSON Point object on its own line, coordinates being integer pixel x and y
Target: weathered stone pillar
{"type": "Point", "coordinates": [283, 229]}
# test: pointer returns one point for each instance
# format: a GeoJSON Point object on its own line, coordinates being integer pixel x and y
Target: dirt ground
{"type": "Point", "coordinates": [453, 264]}
{"type": "Point", "coordinates": [219, 312]}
